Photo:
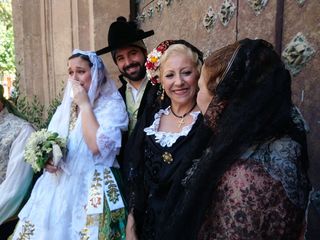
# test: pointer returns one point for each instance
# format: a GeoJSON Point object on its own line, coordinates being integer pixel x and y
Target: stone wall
{"type": "Point", "coordinates": [46, 32]}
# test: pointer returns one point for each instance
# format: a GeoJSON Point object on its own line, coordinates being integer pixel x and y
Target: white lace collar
{"type": "Point", "coordinates": [167, 139]}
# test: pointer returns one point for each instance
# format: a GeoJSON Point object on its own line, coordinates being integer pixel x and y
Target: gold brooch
{"type": "Point", "coordinates": [167, 157]}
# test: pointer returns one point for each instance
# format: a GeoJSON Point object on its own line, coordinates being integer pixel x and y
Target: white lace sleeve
{"type": "Point", "coordinates": [113, 119]}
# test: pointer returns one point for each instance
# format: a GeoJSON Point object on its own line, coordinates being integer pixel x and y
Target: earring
{"type": "Point", "coordinates": [162, 94]}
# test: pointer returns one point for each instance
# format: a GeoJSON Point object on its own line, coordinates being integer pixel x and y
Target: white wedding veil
{"type": "Point", "coordinates": [100, 83]}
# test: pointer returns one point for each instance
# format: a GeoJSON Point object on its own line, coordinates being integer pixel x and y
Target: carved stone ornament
{"type": "Point", "coordinates": [226, 12]}
{"type": "Point", "coordinates": [297, 53]}
{"type": "Point", "coordinates": [159, 6]}
{"type": "Point", "coordinates": [150, 12]}
{"type": "Point", "coordinates": [209, 19]}
{"type": "Point", "coordinates": [206, 53]}
{"type": "Point", "coordinates": [257, 5]}
{"type": "Point", "coordinates": [168, 2]}
{"type": "Point", "coordinates": [300, 2]}
{"type": "Point", "coordinates": [141, 17]}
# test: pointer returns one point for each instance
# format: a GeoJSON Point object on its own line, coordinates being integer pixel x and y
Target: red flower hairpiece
{"type": "Point", "coordinates": [153, 60]}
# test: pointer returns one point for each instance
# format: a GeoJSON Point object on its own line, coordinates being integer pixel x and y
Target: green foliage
{"type": "Point", "coordinates": [35, 112]}
{"type": "Point", "coordinates": [52, 108]}
{"type": "Point", "coordinates": [7, 59]}
{"type": "Point", "coordinates": [32, 109]}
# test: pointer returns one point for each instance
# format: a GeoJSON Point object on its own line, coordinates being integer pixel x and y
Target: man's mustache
{"type": "Point", "coordinates": [131, 65]}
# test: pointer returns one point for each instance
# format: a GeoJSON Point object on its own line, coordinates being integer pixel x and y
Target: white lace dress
{"type": "Point", "coordinates": [69, 205]}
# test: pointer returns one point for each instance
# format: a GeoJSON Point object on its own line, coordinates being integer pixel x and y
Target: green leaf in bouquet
{"type": "Point", "coordinates": [46, 145]}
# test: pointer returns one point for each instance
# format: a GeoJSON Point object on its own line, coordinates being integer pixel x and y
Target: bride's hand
{"type": "Point", "coordinates": [50, 167]}
{"type": "Point", "coordinates": [80, 96]}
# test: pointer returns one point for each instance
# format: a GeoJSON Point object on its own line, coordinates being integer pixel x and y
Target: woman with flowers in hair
{"type": "Point", "coordinates": [79, 197]}
{"type": "Point", "coordinates": [161, 138]}
{"type": "Point", "coordinates": [250, 182]}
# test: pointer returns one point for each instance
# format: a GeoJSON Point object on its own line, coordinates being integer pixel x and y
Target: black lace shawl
{"type": "Point", "coordinates": [257, 88]}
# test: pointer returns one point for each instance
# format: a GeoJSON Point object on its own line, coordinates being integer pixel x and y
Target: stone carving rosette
{"type": "Point", "coordinates": [297, 53]}
{"type": "Point", "coordinates": [209, 19]}
{"type": "Point", "coordinates": [168, 2]}
{"type": "Point", "coordinates": [150, 12]}
{"type": "Point", "coordinates": [226, 12]}
{"type": "Point", "coordinates": [141, 17]}
{"type": "Point", "coordinates": [300, 2]}
{"type": "Point", "coordinates": [257, 5]}
{"type": "Point", "coordinates": [159, 6]}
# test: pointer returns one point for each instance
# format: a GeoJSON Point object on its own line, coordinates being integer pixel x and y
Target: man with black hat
{"type": "Point", "coordinates": [129, 54]}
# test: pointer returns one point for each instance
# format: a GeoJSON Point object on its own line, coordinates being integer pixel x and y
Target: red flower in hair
{"type": "Point", "coordinates": [153, 60]}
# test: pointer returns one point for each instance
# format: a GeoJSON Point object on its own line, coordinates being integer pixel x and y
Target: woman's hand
{"type": "Point", "coordinates": [89, 122]}
{"type": "Point", "coordinates": [130, 228]}
{"type": "Point", "coordinates": [80, 96]}
{"type": "Point", "coordinates": [50, 167]}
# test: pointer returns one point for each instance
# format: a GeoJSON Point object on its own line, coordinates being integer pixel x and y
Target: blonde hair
{"type": "Point", "coordinates": [182, 49]}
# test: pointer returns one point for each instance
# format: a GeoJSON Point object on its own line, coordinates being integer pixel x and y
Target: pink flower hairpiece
{"type": "Point", "coordinates": [153, 60]}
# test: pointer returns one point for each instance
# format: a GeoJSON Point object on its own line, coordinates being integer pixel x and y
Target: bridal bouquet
{"type": "Point", "coordinates": [42, 146]}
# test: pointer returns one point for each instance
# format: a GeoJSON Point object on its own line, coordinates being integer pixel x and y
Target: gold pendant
{"type": "Point", "coordinates": [180, 122]}
{"type": "Point", "coordinates": [167, 157]}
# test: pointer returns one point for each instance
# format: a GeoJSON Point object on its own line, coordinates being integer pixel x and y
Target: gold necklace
{"type": "Point", "coordinates": [181, 121]}
{"type": "Point", "coordinates": [73, 116]}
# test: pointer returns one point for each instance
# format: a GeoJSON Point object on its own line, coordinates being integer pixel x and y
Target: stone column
{"type": "Point", "coordinates": [46, 32]}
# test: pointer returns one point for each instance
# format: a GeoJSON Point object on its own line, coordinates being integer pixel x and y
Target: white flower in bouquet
{"type": "Point", "coordinates": [42, 146]}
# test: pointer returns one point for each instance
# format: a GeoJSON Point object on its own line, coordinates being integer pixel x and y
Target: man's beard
{"type": "Point", "coordinates": [137, 76]}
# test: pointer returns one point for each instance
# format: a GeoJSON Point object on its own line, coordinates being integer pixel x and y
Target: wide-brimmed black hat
{"type": "Point", "coordinates": [123, 33]}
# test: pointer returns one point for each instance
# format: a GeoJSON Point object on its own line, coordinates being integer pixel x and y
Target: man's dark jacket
{"type": "Point", "coordinates": [150, 95]}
